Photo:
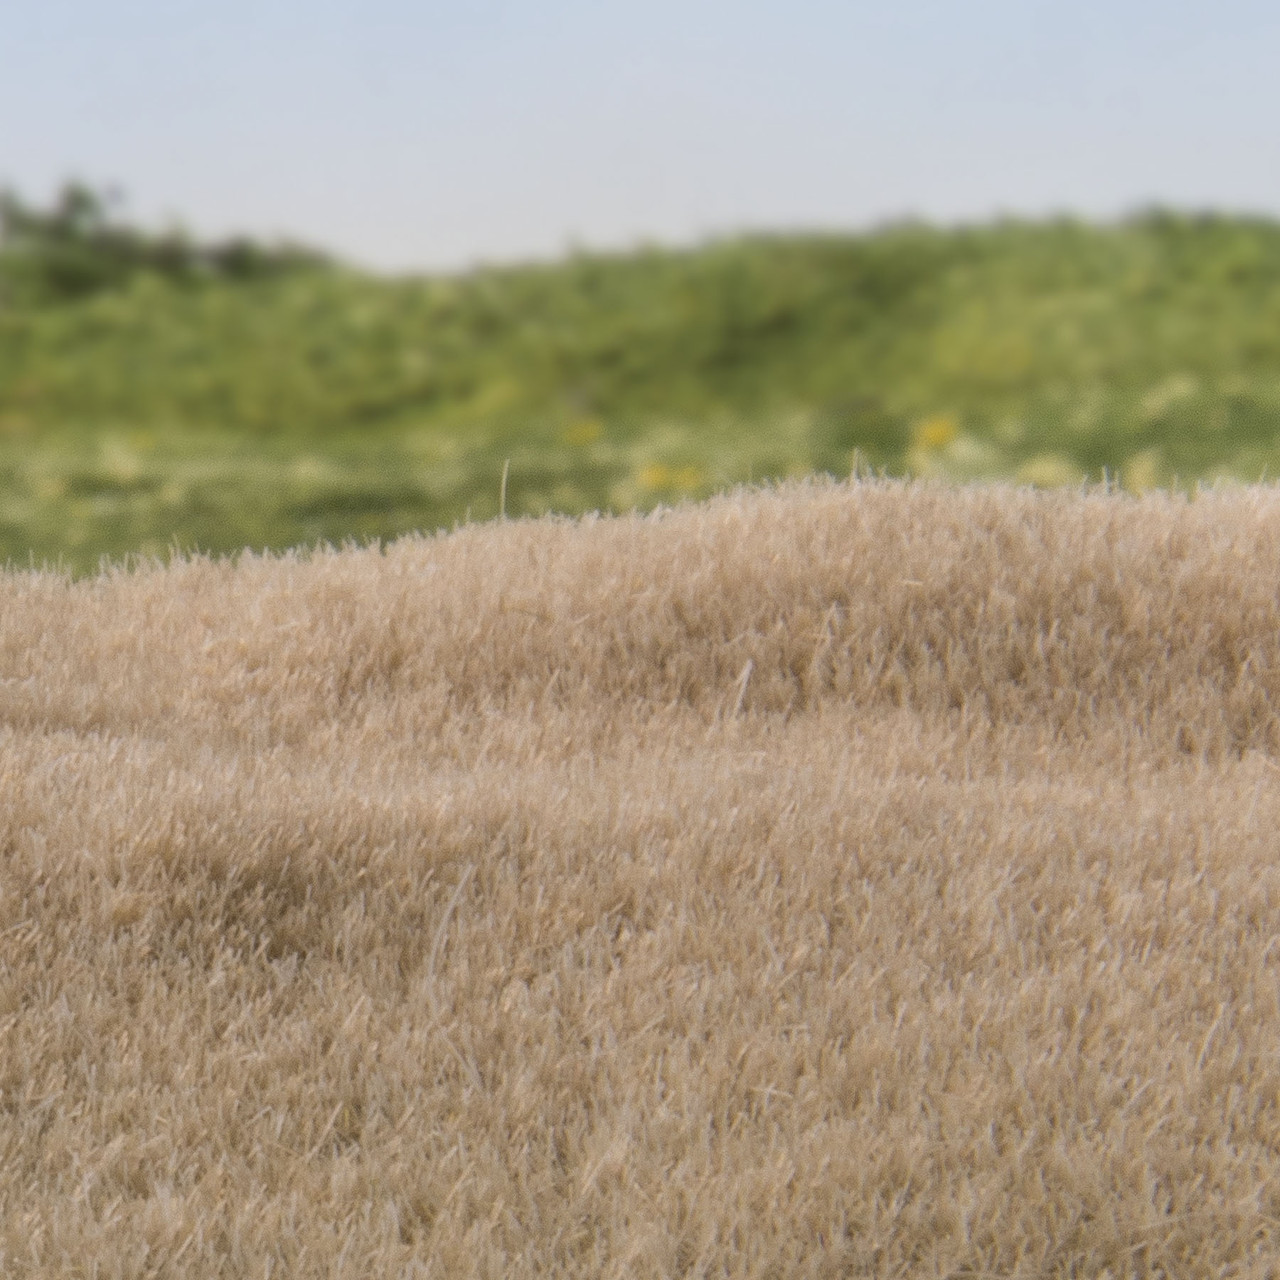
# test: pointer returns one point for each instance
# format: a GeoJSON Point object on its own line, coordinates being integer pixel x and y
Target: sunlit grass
{"type": "Point", "coordinates": [836, 880]}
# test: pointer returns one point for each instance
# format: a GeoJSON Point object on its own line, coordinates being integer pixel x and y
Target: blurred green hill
{"type": "Point", "coordinates": [154, 390]}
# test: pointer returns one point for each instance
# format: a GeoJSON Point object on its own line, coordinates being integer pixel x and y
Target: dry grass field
{"type": "Point", "coordinates": [836, 880]}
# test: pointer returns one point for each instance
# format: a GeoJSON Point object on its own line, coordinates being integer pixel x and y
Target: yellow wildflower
{"type": "Point", "coordinates": [936, 431]}
{"type": "Point", "coordinates": [657, 475]}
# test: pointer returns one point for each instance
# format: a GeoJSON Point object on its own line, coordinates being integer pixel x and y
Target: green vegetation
{"type": "Point", "coordinates": [154, 391]}
{"type": "Point", "coordinates": [75, 250]}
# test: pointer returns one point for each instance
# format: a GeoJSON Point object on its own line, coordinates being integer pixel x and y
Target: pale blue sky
{"type": "Point", "coordinates": [439, 134]}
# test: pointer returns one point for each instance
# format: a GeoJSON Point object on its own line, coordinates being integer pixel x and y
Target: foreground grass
{"type": "Point", "coordinates": [862, 879]}
{"type": "Point", "coordinates": [157, 410]}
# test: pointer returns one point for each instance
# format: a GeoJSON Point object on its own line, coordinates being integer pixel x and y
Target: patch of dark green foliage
{"type": "Point", "coordinates": [75, 249]}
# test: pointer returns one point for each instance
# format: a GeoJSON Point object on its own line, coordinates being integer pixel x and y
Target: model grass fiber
{"type": "Point", "coordinates": [866, 879]}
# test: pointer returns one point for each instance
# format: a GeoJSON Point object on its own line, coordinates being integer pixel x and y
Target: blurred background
{"type": "Point", "coordinates": [275, 273]}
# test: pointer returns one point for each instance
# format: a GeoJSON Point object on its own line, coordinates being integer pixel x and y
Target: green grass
{"type": "Point", "coordinates": [319, 403]}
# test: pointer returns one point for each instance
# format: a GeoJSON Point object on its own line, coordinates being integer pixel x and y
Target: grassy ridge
{"type": "Point", "coordinates": [317, 402]}
{"type": "Point", "coordinates": [869, 880]}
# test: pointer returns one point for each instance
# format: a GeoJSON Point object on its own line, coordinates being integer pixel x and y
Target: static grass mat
{"type": "Point", "coordinates": [865, 879]}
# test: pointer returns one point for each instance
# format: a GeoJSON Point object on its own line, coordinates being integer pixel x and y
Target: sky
{"type": "Point", "coordinates": [434, 136]}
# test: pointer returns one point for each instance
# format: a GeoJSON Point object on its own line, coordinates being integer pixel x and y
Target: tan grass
{"type": "Point", "coordinates": [841, 880]}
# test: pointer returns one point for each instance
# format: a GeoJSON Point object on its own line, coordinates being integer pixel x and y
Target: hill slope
{"type": "Point", "coordinates": [839, 880]}
{"type": "Point", "coordinates": [876, 330]}
{"type": "Point", "coordinates": [313, 402]}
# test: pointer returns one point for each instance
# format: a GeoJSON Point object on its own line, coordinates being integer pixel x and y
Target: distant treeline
{"type": "Point", "coordinates": [75, 248]}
